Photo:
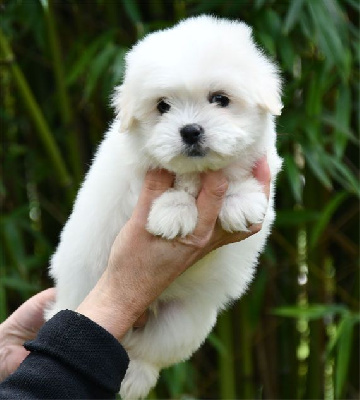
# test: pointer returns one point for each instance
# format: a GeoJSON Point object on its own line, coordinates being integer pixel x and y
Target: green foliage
{"type": "Point", "coordinates": [59, 63]}
{"type": "Point", "coordinates": [341, 340]}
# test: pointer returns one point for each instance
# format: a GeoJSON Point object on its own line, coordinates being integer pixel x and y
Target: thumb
{"type": "Point", "coordinates": [29, 317]}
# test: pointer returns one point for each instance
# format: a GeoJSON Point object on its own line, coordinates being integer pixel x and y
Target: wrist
{"type": "Point", "coordinates": [109, 307]}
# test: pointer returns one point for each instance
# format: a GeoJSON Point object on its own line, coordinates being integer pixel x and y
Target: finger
{"type": "Point", "coordinates": [209, 202]}
{"type": "Point", "coordinates": [29, 317]}
{"type": "Point", "coordinates": [222, 238]}
{"type": "Point", "coordinates": [157, 181]}
{"type": "Point", "coordinates": [261, 172]}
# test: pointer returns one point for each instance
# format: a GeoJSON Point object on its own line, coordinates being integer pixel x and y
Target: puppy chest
{"type": "Point", "coordinates": [190, 183]}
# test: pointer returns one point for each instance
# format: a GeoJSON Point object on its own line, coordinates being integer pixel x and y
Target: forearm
{"type": "Point", "coordinates": [72, 357]}
{"type": "Point", "coordinates": [113, 305]}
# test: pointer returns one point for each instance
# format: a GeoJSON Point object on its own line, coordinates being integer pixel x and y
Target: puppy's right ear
{"type": "Point", "coordinates": [124, 108]}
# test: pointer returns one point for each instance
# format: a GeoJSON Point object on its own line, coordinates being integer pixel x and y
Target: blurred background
{"type": "Point", "coordinates": [295, 335]}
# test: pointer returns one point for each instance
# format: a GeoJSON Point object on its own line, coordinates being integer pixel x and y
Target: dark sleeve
{"type": "Point", "coordinates": [71, 358]}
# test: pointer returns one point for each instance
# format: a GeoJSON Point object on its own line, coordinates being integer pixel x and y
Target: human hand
{"type": "Point", "coordinates": [141, 266]}
{"type": "Point", "coordinates": [21, 326]}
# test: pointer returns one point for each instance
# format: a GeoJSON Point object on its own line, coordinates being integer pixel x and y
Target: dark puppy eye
{"type": "Point", "coordinates": [220, 99]}
{"type": "Point", "coordinates": [163, 106]}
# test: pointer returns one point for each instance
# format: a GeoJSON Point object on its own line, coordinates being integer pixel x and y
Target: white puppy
{"type": "Point", "coordinates": [200, 96]}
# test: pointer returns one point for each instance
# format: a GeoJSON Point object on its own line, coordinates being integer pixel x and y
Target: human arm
{"type": "Point", "coordinates": [140, 267]}
{"type": "Point", "coordinates": [153, 258]}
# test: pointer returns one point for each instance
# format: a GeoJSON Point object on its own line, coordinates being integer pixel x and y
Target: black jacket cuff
{"type": "Point", "coordinates": [83, 345]}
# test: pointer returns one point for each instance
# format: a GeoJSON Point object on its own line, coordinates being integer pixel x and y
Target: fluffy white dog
{"type": "Point", "coordinates": [200, 96]}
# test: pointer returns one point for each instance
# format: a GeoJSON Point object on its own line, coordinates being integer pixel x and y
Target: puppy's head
{"type": "Point", "coordinates": [196, 96]}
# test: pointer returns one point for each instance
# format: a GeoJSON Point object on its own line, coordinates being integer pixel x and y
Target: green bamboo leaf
{"type": "Point", "coordinates": [259, 4]}
{"type": "Point", "coordinates": [20, 285]}
{"type": "Point", "coordinates": [354, 3]}
{"type": "Point", "coordinates": [218, 345]}
{"type": "Point", "coordinates": [355, 318]}
{"type": "Point", "coordinates": [310, 312]}
{"type": "Point", "coordinates": [327, 31]}
{"type": "Point", "coordinates": [325, 217]}
{"type": "Point", "coordinates": [314, 94]}
{"type": "Point", "coordinates": [267, 41]}
{"type": "Point", "coordinates": [14, 243]}
{"type": "Point", "coordinates": [132, 11]}
{"type": "Point", "coordinates": [272, 22]}
{"type": "Point", "coordinates": [287, 54]}
{"type": "Point", "coordinates": [18, 214]}
{"type": "Point", "coordinates": [343, 135]}
{"type": "Point", "coordinates": [81, 65]}
{"type": "Point", "coordinates": [342, 120]}
{"type": "Point", "coordinates": [342, 174]}
{"type": "Point", "coordinates": [100, 64]}
{"type": "Point", "coordinates": [314, 162]}
{"type": "Point", "coordinates": [294, 176]}
{"type": "Point", "coordinates": [343, 357]}
{"type": "Point", "coordinates": [118, 67]}
{"type": "Point", "coordinates": [293, 14]}
{"type": "Point", "coordinates": [295, 217]}
{"type": "Point", "coordinates": [306, 28]}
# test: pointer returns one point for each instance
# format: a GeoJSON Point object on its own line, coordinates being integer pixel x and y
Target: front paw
{"type": "Point", "coordinates": [239, 211]}
{"type": "Point", "coordinates": [173, 214]}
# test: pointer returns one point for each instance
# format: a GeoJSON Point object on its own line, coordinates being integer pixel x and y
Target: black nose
{"type": "Point", "coordinates": [191, 133]}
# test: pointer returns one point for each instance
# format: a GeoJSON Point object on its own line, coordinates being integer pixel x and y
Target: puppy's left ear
{"type": "Point", "coordinates": [268, 91]}
{"type": "Point", "coordinates": [267, 83]}
{"type": "Point", "coordinates": [124, 108]}
{"type": "Point", "coordinates": [271, 102]}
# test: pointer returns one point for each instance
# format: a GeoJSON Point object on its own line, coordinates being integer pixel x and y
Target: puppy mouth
{"type": "Point", "coordinates": [195, 150]}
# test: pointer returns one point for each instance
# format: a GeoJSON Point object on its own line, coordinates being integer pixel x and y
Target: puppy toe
{"type": "Point", "coordinates": [233, 219]}
{"type": "Point", "coordinates": [255, 207]}
{"type": "Point", "coordinates": [241, 211]}
{"type": "Point", "coordinates": [173, 214]}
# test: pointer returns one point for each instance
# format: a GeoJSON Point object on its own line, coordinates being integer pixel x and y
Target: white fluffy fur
{"type": "Point", "coordinates": [184, 64]}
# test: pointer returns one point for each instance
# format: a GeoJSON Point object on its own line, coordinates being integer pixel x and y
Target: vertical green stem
{"type": "Point", "coordinates": [36, 115]}
{"type": "Point", "coordinates": [287, 336]}
{"type": "Point", "coordinates": [246, 351]}
{"type": "Point", "coordinates": [313, 198]}
{"type": "Point", "coordinates": [226, 359]}
{"type": "Point", "coordinates": [63, 98]}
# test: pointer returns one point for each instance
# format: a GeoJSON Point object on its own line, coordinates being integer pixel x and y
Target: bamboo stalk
{"type": "Point", "coordinates": [227, 387]}
{"type": "Point", "coordinates": [63, 98]}
{"type": "Point", "coordinates": [313, 198]}
{"type": "Point", "coordinates": [247, 385]}
{"type": "Point", "coordinates": [36, 115]}
{"type": "Point", "coordinates": [287, 336]}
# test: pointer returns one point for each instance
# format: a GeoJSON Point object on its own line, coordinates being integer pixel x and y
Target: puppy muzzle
{"type": "Point", "coordinates": [192, 136]}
